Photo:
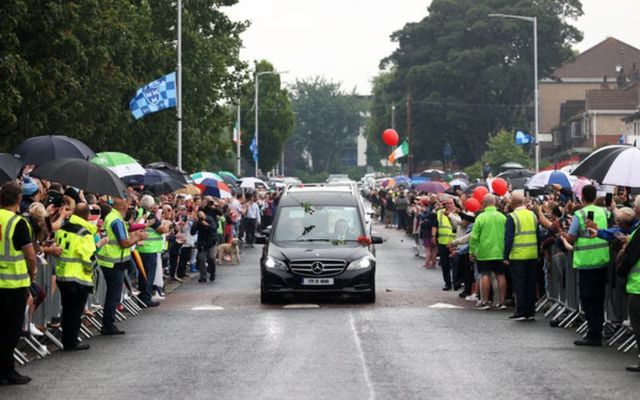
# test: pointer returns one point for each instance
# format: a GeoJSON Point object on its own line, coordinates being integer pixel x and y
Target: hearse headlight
{"type": "Point", "coordinates": [362, 263]}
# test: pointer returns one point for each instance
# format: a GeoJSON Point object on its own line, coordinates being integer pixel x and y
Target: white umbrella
{"type": "Point", "coordinates": [544, 178]}
{"type": "Point", "coordinates": [253, 183]}
{"type": "Point", "coordinates": [616, 165]}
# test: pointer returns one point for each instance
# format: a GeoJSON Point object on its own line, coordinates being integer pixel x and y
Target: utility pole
{"type": "Point", "coordinates": [238, 136]}
{"type": "Point", "coordinates": [179, 84]}
{"type": "Point", "coordinates": [409, 135]}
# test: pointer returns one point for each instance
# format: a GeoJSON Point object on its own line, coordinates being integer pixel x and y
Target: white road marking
{"type": "Point", "coordinates": [363, 361]}
{"type": "Point", "coordinates": [207, 308]}
{"type": "Point", "coordinates": [300, 306]}
{"type": "Point", "coordinates": [444, 306]}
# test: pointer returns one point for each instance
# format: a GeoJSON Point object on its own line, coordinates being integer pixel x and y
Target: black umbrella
{"type": "Point", "coordinates": [612, 165]}
{"type": "Point", "coordinates": [82, 174]}
{"type": "Point", "coordinates": [165, 186]}
{"type": "Point", "coordinates": [40, 149]}
{"type": "Point", "coordinates": [516, 173]}
{"type": "Point", "coordinates": [9, 168]}
{"type": "Point", "coordinates": [433, 174]}
{"type": "Point", "coordinates": [175, 172]}
{"type": "Point", "coordinates": [230, 182]}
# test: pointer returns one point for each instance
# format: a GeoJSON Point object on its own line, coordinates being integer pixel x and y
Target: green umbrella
{"type": "Point", "coordinates": [119, 163]}
{"type": "Point", "coordinates": [229, 174]}
{"type": "Point", "coordinates": [200, 176]}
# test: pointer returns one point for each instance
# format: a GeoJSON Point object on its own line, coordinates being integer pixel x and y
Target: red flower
{"type": "Point", "coordinates": [364, 240]}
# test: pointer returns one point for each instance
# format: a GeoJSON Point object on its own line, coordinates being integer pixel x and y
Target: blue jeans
{"type": "Point", "coordinates": [114, 277]}
{"type": "Point", "coordinates": [145, 286]}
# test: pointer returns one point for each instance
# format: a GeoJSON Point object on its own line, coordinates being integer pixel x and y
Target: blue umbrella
{"type": "Point", "coordinates": [544, 178]}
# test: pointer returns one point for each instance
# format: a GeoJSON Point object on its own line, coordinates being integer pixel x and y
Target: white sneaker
{"type": "Point", "coordinates": [472, 297]}
{"type": "Point", "coordinates": [157, 298]}
{"type": "Point", "coordinates": [34, 331]}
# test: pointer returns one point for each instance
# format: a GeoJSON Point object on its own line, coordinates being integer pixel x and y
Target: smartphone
{"type": "Point", "coordinates": [608, 199]}
{"type": "Point", "coordinates": [590, 215]}
{"type": "Point", "coordinates": [95, 211]}
{"type": "Point", "coordinates": [456, 188]}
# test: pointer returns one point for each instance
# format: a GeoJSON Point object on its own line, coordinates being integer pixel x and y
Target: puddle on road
{"type": "Point", "coordinates": [207, 308]}
{"type": "Point", "coordinates": [444, 306]}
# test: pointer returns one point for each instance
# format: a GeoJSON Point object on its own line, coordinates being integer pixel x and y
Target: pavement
{"type": "Point", "coordinates": [216, 341]}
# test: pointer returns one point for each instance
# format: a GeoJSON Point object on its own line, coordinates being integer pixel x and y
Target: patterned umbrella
{"type": "Point", "coordinates": [215, 188]}
{"type": "Point", "coordinates": [119, 163]}
{"type": "Point", "coordinates": [432, 187]}
{"type": "Point", "coordinates": [198, 177]}
{"type": "Point", "coordinates": [434, 174]}
{"type": "Point", "coordinates": [612, 165]}
{"type": "Point", "coordinates": [224, 174]}
{"type": "Point", "coordinates": [544, 178]}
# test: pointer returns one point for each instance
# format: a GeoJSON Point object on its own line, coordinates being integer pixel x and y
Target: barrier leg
{"type": "Point", "coordinates": [94, 321]}
{"type": "Point", "coordinates": [617, 335]}
{"type": "Point", "coordinates": [86, 332]}
{"type": "Point", "coordinates": [559, 313]}
{"type": "Point", "coordinates": [582, 328]}
{"type": "Point", "coordinates": [569, 317]}
{"type": "Point", "coordinates": [631, 346]}
{"type": "Point", "coordinates": [20, 357]}
{"type": "Point", "coordinates": [542, 302]}
{"type": "Point", "coordinates": [630, 340]}
{"type": "Point", "coordinates": [551, 309]}
{"type": "Point", "coordinates": [36, 346]}
{"type": "Point", "coordinates": [53, 339]}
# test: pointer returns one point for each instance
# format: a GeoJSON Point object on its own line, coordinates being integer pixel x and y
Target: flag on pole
{"type": "Point", "coordinates": [622, 139]}
{"type": "Point", "coordinates": [237, 135]}
{"type": "Point", "coordinates": [523, 138]}
{"type": "Point", "coordinates": [254, 149]}
{"type": "Point", "coordinates": [401, 151]}
{"type": "Point", "coordinates": [154, 96]}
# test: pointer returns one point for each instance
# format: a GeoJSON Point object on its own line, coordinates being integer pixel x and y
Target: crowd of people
{"type": "Point", "coordinates": [500, 256]}
{"type": "Point", "coordinates": [149, 239]}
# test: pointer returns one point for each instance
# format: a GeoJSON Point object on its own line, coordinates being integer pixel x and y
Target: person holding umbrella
{"type": "Point", "coordinates": [19, 267]}
{"type": "Point", "coordinates": [114, 258]}
{"type": "Point", "coordinates": [591, 258]}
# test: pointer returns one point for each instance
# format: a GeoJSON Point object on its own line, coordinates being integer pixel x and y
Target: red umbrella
{"type": "Point", "coordinates": [432, 187]}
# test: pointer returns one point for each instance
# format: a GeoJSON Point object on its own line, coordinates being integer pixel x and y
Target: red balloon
{"type": "Point", "coordinates": [390, 137]}
{"type": "Point", "coordinates": [499, 186]}
{"type": "Point", "coordinates": [480, 192]}
{"type": "Point", "coordinates": [472, 204]}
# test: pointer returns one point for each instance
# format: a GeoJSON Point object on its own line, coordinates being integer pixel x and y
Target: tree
{"type": "Point", "coordinates": [470, 75]}
{"type": "Point", "coordinates": [75, 71]}
{"type": "Point", "coordinates": [501, 148]}
{"type": "Point", "coordinates": [275, 122]}
{"type": "Point", "coordinates": [327, 121]}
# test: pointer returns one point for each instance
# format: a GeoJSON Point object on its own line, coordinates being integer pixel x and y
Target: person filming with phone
{"type": "Point", "coordinates": [591, 258]}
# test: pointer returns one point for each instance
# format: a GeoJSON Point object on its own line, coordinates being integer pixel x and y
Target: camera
{"type": "Point", "coordinates": [54, 198]}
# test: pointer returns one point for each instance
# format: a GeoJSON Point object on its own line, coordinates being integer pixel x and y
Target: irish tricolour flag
{"type": "Point", "coordinates": [401, 151]}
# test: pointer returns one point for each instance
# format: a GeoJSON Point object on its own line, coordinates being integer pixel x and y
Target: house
{"type": "Point", "coordinates": [583, 102]}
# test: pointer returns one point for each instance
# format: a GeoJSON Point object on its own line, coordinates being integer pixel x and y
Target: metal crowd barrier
{"type": "Point", "coordinates": [32, 347]}
{"type": "Point", "coordinates": [562, 302]}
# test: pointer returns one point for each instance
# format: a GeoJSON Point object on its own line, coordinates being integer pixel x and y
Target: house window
{"type": "Point", "coordinates": [636, 128]}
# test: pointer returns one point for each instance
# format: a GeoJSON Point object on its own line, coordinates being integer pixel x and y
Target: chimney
{"type": "Point", "coordinates": [621, 79]}
{"type": "Point", "coordinates": [604, 85]}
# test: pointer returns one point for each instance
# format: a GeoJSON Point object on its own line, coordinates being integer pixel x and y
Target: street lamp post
{"type": "Point", "coordinates": [257, 85]}
{"type": "Point", "coordinates": [535, 69]}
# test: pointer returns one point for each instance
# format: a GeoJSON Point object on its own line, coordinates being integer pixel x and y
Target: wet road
{"type": "Point", "coordinates": [216, 341]}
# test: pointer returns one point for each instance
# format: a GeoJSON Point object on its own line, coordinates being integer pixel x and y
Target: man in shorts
{"type": "Point", "coordinates": [487, 247]}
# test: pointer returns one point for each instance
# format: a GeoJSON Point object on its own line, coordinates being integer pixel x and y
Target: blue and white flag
{"type": "Point", "coordinates": [254, 149]}
{"type": "Point", "coordinates": [154, 96]}
{"type": "Point", "coordinates": [622, 139]}
{"type": "Point", "coordinates": [523, 138]}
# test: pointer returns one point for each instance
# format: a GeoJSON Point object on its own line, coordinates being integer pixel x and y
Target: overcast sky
{"type": "Point", "coordinates": [344, 40]}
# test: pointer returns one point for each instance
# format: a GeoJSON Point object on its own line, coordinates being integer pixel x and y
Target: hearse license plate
{"type": "Point", "coordinates": [317, 281]}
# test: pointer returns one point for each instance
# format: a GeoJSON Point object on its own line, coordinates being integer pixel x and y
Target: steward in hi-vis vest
{"type": "Point", "coordinates": [74, 272]}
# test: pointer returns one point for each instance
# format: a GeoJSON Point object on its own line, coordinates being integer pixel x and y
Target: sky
{"type": "Point", "coordinates": [344, 40]}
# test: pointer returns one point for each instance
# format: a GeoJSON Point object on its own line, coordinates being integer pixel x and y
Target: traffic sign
{"type": "Point", "coordinates": [545, 137]}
